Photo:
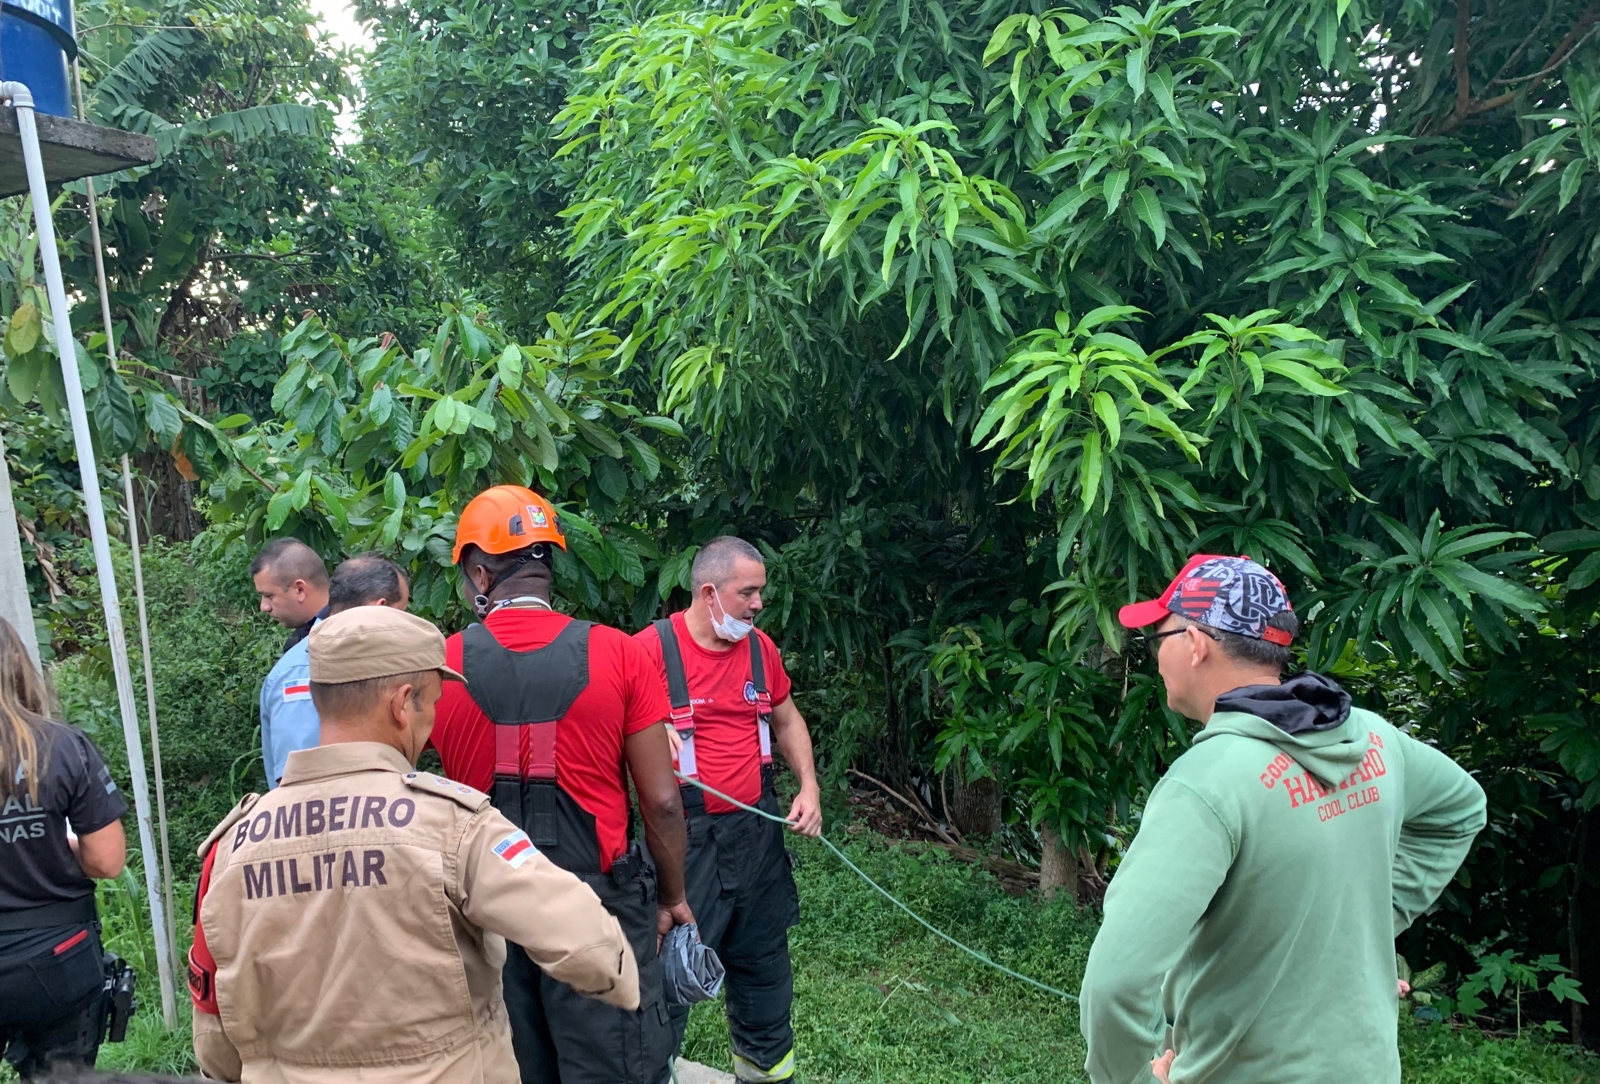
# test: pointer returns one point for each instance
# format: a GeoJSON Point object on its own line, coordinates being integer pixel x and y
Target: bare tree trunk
{"type": "Point", "coordinates": [977, 807]}
{"type": "Point", "coordinates": [1058, 866]}
{"type": "Point", "coordinates": [168, 499]}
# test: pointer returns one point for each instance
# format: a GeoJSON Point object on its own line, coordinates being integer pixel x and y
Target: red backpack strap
{"type": "Point", "coordinates": [202, 966]}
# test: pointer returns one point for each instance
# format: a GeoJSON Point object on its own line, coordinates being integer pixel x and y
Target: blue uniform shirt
{"type": "Point", "coordinates": [288, 719]}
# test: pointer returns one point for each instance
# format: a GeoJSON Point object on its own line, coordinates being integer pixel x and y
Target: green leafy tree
{"type": "Point", "coordinates": [376, 448]}
{"type": "Point", "coordinates": [1220, 275]}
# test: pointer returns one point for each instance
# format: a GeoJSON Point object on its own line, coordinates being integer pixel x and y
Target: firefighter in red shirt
{"type": "Point", "coordinates": [559, 712]}
{"type": "Point", "coordinates": [730, 703]}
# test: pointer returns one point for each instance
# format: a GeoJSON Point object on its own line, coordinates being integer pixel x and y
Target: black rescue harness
{"type": "Point", "coordinates": [683, 711]}
{"type": "Point", "coordinates": [525, 694]}
{"type": "Point", "coordinates": [559, 1036]}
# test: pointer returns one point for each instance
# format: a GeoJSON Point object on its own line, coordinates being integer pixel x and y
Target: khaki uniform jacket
{"type": "Point", "coordinates": [358, 918]}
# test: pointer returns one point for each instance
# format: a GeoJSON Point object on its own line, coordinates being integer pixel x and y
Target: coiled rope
{"type": "Point", "coordinates": [884, 892]}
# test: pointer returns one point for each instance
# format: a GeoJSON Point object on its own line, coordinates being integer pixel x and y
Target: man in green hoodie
{"type": "Point", "coordinates": [1249, 931]}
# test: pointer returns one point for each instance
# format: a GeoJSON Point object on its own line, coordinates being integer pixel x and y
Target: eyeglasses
{"type": "Point", "coordinates": [1153, 640]}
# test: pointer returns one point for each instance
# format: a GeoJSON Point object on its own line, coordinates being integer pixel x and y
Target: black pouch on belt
{"type": "Point", "coordinates": [55, 980]}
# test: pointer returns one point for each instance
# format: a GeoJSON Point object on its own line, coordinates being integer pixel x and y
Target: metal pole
{"type": "Point", "coordinates": [138, 569]}
{"type": "Point", "coordinates": [22, 101]}
{"type": "Point", "coordinates": [149, 691]}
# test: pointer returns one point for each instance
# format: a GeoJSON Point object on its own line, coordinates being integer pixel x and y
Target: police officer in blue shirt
{"type": "Point", "coordinates": [289, 721]}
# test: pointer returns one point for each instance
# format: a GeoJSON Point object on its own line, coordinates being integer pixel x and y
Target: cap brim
{"type": "Point", "coordinates": [1139, 614]}
{"type": "Point", "coordinates": [451, 675]}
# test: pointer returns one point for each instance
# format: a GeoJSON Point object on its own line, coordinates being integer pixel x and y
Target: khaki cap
{"type": "Point", "coordinates": [367, 642]}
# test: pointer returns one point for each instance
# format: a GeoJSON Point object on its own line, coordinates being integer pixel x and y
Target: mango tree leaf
{"type": "Point", "coordinates": [1147, 205]}
{"type": "Point", "coordinates": [1587, 572]}
{"type": "Point", "coordinates": [300, 492]}
{"type": "Point", "coordinates": [611, 478]}
{"type": "Point", "coordinates": [277, 510]}
{"type": "Point", "coordinates": [1116, 181]}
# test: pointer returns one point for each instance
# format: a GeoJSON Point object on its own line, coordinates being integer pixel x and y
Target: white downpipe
{"type": "Point", "coordinates": [22, 101]}
{"type": "Point", "coordinates": [138, 569]}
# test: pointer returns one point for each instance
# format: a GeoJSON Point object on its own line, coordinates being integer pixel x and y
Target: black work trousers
{"type": "Point", "coordinates": [563, 1037]}
{"type": "Point", "coordinates": [51, 1001]}
{"type": "Point", "coordinates": [742, 892]}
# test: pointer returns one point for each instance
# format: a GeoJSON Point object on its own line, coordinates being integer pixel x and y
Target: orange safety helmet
{"type": "Point", "coordinates": [505, 519]}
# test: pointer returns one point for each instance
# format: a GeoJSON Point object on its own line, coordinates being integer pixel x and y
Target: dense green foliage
{"type": "Point", "coordinates": [977, 317]}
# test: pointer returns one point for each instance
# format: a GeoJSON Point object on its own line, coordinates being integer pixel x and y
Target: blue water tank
{"type": "Point", "coordinates": [37, 38]}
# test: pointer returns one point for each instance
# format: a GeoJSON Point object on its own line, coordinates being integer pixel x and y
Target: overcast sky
{"type": "Point", "coordinates": [340, 21]}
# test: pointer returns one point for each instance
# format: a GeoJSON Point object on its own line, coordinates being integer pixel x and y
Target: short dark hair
{"type": "Point", "coordinates": [1253, 652]}
{"type": "Point", "coordinates": [499, 565]}
{"type": "Point", "coordinates": [714, 563]}
{"type": "Point", "coordinates": [362, 580]}
{"type": "Point", "coordinates": [290, 559]}
{"type": "Point", "coordinates": [353, 697]}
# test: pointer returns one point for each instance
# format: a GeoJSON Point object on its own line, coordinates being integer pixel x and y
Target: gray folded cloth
{"type": "Point", "coordinates": [690, 971]}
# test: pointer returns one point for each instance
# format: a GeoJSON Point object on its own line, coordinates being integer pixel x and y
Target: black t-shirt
{"type": "Point", "coordinates": [302, 631]}
{"type": "Point", "coordinates": [36, 865]}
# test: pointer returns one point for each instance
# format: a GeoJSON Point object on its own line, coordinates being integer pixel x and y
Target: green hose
{"type": "Point", "coordinates": [974, 953]}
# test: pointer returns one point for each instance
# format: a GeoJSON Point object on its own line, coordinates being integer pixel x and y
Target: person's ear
{"type": "Point", "coordinates": [1200, 644]}
{"type": "Point", "coordinates": [400, 705]}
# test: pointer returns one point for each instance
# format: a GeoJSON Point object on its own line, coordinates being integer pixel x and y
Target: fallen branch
{"type": "Point", "coordinates": [944, 800]}
{"type": "Point", "coordinates": [915, 807]}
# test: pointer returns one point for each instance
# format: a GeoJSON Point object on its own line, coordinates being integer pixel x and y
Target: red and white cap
{"type": "Point", "coordinates": [1229, 594]}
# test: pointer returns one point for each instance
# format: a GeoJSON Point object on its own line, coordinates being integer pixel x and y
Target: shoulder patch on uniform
{"type": "Point", "coordinates": [245, 805]}
{"type": "Point", "coordinates": [516, 849]}
{"type": "Point", "coordinates": [447, 788]}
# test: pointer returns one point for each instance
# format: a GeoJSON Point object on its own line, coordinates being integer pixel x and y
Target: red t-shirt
{"type": "Point", "coordinates": [624, 696]}
{"type": "Point", "coordinates": [727, 742]}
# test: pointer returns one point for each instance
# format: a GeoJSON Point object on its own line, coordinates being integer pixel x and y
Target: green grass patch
{"type": "Point", "coordinates": [878, 998]}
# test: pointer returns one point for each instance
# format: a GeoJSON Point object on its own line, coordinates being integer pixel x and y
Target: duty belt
{"type": "Point", "coordinates": [63, 913]}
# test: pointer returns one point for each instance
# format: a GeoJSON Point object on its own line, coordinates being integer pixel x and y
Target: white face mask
{"type": "Point", "coordinates": [728, 627]}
